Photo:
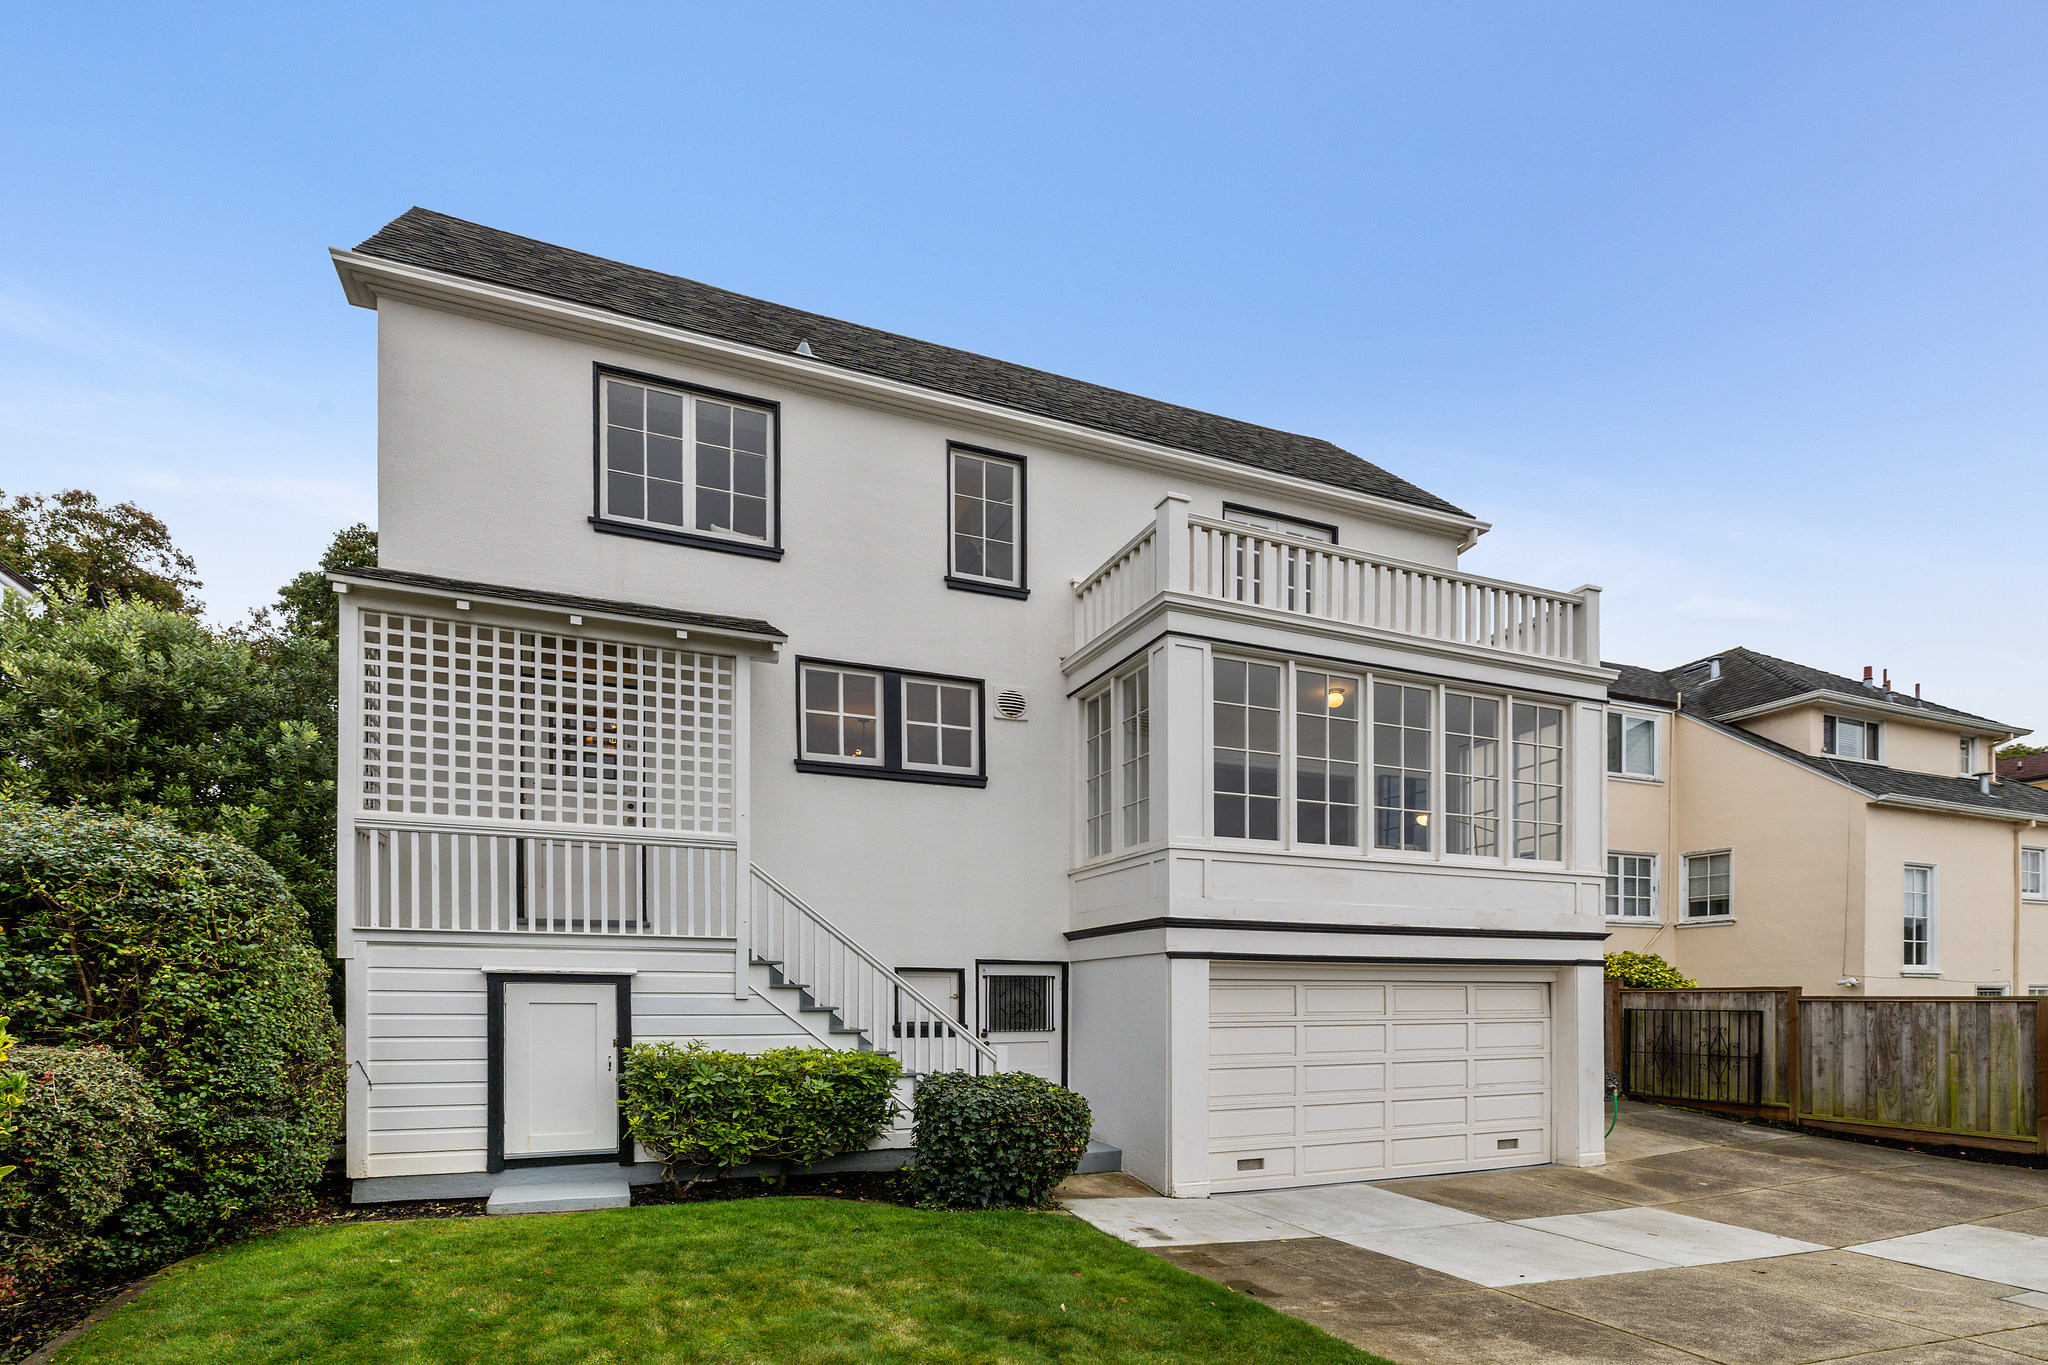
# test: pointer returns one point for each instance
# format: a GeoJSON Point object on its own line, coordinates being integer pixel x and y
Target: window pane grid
{"type": "Point", "coordinates": [1137, 756]}
{"type": "Point", "coordinates": [1471, 775]}
{"type": "Point", "coordinates": [1096, 716]}
{"type": "Point", "coordinates": [674, 459]}
{"type": "Point", "coordinates": [1327, 711]}
{"type": "Point", "coordinates": [1539, 782]}
{"type": "Point", "coordinates": [842, 716]}
{"type": "Point", "coordinates": [1247, 749]}
{"type": "Point", "coordinates": [1919, 914]}
{"type": "Point", "coordinates": [1401, 766]}
{"type": "Point", "coordinates": [1707, 878]}
{"type": "Point", "coordinates": [2032, 862]}
{"type": "Point", "coordinates": [1631, 886]}
{"type": "Point", "coordinates": [939, 720]}
{"type": "Point", "coordinates": [985, 517]}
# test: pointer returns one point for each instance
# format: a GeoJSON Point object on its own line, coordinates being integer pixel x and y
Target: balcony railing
{"type": "Point", "coordinates": [1219, 561]}
{"type": "Point", "coordinates": [455, 879]}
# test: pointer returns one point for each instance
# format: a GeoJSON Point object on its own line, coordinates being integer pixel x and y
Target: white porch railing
{"type": "Point", "coordinates": [810, 952]}
{"type": "Point", "coordinates": [412, 877]}
{"type": "Point", "coordinates": [1181, 553]}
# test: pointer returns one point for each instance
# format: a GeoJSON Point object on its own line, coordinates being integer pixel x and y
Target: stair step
{"type": "Point", "coordinates": [562, 1196]}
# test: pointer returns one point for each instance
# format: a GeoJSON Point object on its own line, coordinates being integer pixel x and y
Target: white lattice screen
{"type": "Point", "coordinates": [494, 723]}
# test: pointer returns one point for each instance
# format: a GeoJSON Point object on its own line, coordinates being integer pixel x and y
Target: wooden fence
{"type": "Point", "coordinates": [1958, 1070]}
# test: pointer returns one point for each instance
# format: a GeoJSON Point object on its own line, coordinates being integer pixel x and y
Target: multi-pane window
{"type": "Point", "coordinates": [842, 715]}
{"type": "Point", "coordinates": [1919, 915]}
{"type": "Point", "coordinates": [1327, 708]}
{"type": "Point", "coordinates": [1400, 766]}
{"type": "Point", "coordinates": [1707, 877]}
{"type": "Point", "coordinates": [1968, 755]}
{"type": "Point", "coordinates": [1631, 886]}
{"type": "Point", "coordinates": [2034, 873]}
{"type": "Point", "coordinates": [1845, 738]}
{"type": "Point", "coordinates": [681, 460]}
{"type": "Point", "coordinates": [1097, 725]}
{"type": "Point", "coordinates": [1539, 782]}
{"type": "Point", "coordinates": [1471, 775]}
{"type": "Point", "coordinates": [1245, 558]}
{"type": "Point", "coordinates": [938, 724]}
{"type": "Point", "coordinates": [1135, 692]}
{"type": "Point", "coordinates": [1631, 745]}
{"type": "Point", "coordinates": [488, 722]}
{"type": "Point", "coordinates": [987, 518]}
{"type": "Point", "coordinates": [1990, 992]}
{"type": "Point", "coordinates": [1247, 749]}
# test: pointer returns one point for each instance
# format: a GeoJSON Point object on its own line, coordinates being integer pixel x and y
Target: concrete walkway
{"type": "Point", "coordinates": [1701, 1239]}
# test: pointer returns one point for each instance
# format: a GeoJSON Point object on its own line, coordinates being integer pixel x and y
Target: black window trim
{"type": "Point", "coordinates": [645, 531]}
{"type": "Point", "coordinates": [1022, 588]}
{"type": "Point", "coordinates": [1249, 511]}
{"type": "Point", "coordinates": [891, 768]}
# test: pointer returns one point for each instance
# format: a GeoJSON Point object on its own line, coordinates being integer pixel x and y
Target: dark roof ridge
{"type": "Point", "coordinates": [455, 246]}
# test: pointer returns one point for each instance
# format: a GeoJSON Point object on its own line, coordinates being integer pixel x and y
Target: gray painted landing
{"type": "Point", "coordinates": [560, 1196]}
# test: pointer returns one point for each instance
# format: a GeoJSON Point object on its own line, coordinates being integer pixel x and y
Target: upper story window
{"type": "Point", "coordinates": [1708, 879]}
{"type": "Point", "coordinates": [1327, 708]}
{"type": "Point", "coordinates": [1846, 738]}
{"type": "Point", "coordinates": [1471, 775]}
{"type": "Point", "coordinates": [1099, 732]}
{"type": "Point", "coordinates": [1116, 760]}
{"type": "Point", "coordinates": [1918, 940]}
{"type": "Point", "coordinates": [986, 529]}
{"type": "Point", "coordinates": [1631, 745]}
{"type": "Point", "coordinates": [1539, 782]}
{"type": "Point", "coordinates": [2034, 873]}
{"type": "Point", "coordinates": [1247, 749]}
{"type": "Point", "coordinates": [1968, 756]}
{"type": "Point", "coordinates": [1401, 766]}
{"type": "Point", "coordinates": [1631, 886]}
{"type": "Point", "coordinates": [1134, 692]}
{"type": "Point", "coordinates": [862, 721]}
{"type": "Point", "coordinates": [684, 464]}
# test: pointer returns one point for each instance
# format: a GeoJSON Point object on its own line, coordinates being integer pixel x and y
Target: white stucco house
{"type": "Point", "coordinates": [734, 672]}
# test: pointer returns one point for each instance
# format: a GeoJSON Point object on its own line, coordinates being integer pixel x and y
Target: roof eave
{"type": "Point", "coordinates": [365, 279]}
{"type": "Point", "coordinates": [1849, 701]}
{"type": "Point", "coordinates": [622, 613]}
{"type": "Point", "coordinates": [1930, 804]}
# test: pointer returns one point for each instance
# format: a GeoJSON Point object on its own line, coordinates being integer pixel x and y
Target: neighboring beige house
{"type": "Point", "coordinates": [1773, 824]}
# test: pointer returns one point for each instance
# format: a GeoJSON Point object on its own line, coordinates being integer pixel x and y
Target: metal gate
{"type": "Point", "coordinates": [1715, 1056]}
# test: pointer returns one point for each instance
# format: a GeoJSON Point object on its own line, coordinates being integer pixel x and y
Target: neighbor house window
{"type": "Point", "coordinates": [1919, 915]}
{"type": "Point", "coordinates": [1539, 782]}
{"type": "Point", "coordinates": [2034, 873]}
{"type": "Point", "coordinates": [1247, 749]}
{"type": "Point", "coordinates": [1471, 775]}
{"type": "Point", "coordinates": [865, 721]}
{"type": "Point", "coordinates": [1990, 991]}
{"type": "Point", "coordinates": [1707, 878]}
{"type": "Point", "coordinates": [1968, 756]}
{"type": "Point", "coordinates": [987, 535]}
{"type": "Point", "coordinates": [1631, 886]}
{"type": "Point", "coordinates": [1631, 745]}
{"type": "Point", "coordinates": [677, 460]}
{"type": "Point", "coordinates": [1845, 738]}
{"type": "Point", "coordinates": [1095, 724]}
{"type": "Point", "coordinates": [1327, 707]}
{"type": "Point", "coordinates": [1401, 766]}
{"type": "Point", "coordinates": [1135, 705]}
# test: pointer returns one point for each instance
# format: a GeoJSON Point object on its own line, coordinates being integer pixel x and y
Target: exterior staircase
{"type": "Point", "coordinates": [831, 1026]}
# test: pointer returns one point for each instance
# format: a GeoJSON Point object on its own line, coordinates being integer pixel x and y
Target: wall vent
{"type": "Point", "coordinates": [1506, 1144]}
{"type": "Point", "coordinates": [1013, 703]}
{"type": "Point", "coordinates": [1251, 1163]}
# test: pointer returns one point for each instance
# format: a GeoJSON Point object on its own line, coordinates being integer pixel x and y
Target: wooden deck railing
{"type": "Point", "coordinates": [1181, 553]}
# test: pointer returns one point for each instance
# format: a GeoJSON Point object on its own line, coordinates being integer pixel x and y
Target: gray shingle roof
{"type": "Point", "coordinates": [595, 606]}
{"type": "Point", "coordinates": [1750, 679]}
{"type": "Point", "coordinates": [435, 241]}
{"type": "Point", "coordinates": [1641, 684]}
{"type": "Point", "coordinates": [2006, 798]}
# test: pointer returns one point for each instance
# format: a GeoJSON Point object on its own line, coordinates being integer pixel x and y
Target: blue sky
{"type": "Point", "coordinates": [1739, 310]}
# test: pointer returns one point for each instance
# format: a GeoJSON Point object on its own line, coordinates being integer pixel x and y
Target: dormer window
{"type": "Point", "coordinates": [1847, 738]}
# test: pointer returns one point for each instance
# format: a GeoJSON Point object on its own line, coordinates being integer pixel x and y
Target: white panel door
{"type": "Point", "coordinates": [1316, 1079]}
{"type": "Point", "coordinates": [1020, 1017]}
{"type": "Point", "coordinates": [561, 1068]}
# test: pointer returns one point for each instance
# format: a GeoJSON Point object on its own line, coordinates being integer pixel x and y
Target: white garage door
{"type": "Point", "coordinates": [1316, 1078]}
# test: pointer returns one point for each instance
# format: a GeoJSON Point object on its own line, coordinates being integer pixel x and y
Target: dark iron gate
{"type": "Point", "coordinates": [1716, 1056]}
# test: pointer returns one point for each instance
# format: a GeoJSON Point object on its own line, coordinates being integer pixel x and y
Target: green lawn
{"type": "Point", "coordinates": [802, 1281]}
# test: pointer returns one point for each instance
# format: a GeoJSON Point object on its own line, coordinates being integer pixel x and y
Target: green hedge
{"type": "Point", "coordinates": [1001, 1141]}
{"type": "Point", "coordinates": [87, 1121]}
{"type": "Point", "coordinates": [1646, 971]}
{"type": "Point", "coordinates": [13, 1089]}
{"type": "Point", "coordinates": [712, 1111]}
{"type": "Point", "coordinates": [186, 954]}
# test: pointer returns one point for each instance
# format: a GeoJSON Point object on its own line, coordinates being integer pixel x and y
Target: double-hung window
{"type": "Point", "coordinates": [1968, 755]}
{"type": "Point", "coordinates": [2034, 873]}
{"type": "Point", "coordinates": [1539, 782]}
{"type": "Point", "coordinates": [1631, 745]}
{"type": "Point", "coordinates": [1707, 884]}
{"type": "Point", "coordinates": [1401, 766]}
{"type": "Point", "coordinates": [862, 721]}
{"type": "Point", "coordinates": [1846, 738]}
{"type": "Point", "coordinates": [1918, 942]}
{"type": "Point", "coordinates": [1471, 775]}
{"type": "Point", "coordinates": [985, 540]}
{"type": "Point", "coordinates": [686, 464]}
{"type": "Point", "coordinates": [1632, 886]}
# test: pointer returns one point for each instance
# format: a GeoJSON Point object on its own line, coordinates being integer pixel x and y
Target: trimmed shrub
{"type": "Point", "coordinates": [712, 1111]}
{"type": "Point", "coordinates": [186, 954]}
{"type": "Point", "coordinates": [1001, 1141]}
{"type": "Point", "coordinates": [87, 1121]}
{"type": "Point", "coordinates": [1646, 971]}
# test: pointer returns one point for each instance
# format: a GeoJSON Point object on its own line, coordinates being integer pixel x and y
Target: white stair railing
{"type": "Point", "coordinates": [837, 972]}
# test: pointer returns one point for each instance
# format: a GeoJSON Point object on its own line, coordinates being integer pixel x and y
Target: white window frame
{"type": "Point", "coordinates": [2037, 874]}
{"type": "Point", "coordinates": [1931, 944]}
{"type": "Point", "coordinates": [1873, 738]}
{"type": "Point", "coordinates": [1992, 990]}
{"type": "Point", "coordinates": [1967, 747]}
{"type": "Point", "coordinates": [687, 531]}
{"type": "Point", "coordinates": [1098, 772]}
{"type": "Point", "coordinates": [1133, 760]}
{"type": "Point", "coordinates": [1618, 723]}
{"type": "Point", "coordinates": [1726, 916]}
{"type": "Point", "coordinates": [939, 724]}
{"type": "Point", "coordinates": [1125, 790]}
{"type": "Point", "coordinates": [806, 710]}
{"type": "Point", "coordinates": [892, 727]}
{"type": "Point", "coordinates": [1014, 580]}
{"type": "Point", "coordinates": [1612, 890]}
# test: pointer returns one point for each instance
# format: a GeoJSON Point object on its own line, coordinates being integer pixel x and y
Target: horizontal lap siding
{"type": "Point", "coordinates": [426, 1020]}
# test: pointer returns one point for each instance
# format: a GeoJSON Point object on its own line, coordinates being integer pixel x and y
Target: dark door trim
{"type": "Point", "coordinates": [1060, 970]}
{"type": "Point", "coordinates": [494, 1032]}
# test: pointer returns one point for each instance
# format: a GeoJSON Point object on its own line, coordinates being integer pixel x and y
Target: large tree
{"type": "Point", "coordinates": [114, 554]}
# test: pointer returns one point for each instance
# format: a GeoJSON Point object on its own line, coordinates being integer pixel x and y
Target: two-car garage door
{"type": "Point", "coordinates": [1317, 1077]}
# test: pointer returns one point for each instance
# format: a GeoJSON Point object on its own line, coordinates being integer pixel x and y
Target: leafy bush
{"type": "Point", "coordinates": [1646, 971]}
{"type": "Point", "coordinates": [186, 954]}
{"type": "Point", "coordinates": [716, 1110]}
{"type": "Point", "coordinates": [13, 1085]}
{"type": "Point", "coordinates": [997, 1141]}
{"type": "Point", "coordinates": [87, 1121]}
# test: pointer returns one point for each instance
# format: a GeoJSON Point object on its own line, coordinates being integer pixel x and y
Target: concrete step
{"type": "Point", "coordinates": [560, 1196]}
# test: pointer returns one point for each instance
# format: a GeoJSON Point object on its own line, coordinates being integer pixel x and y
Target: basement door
{"type": "Point", "coordinates": [1317, 1077]}
{"type": "Point", "coordinates": [559, 1053]}
{"type": "Point", "coordinates": [1022, 1008]}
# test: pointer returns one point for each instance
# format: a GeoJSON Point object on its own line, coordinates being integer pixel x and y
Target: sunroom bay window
{"type": "Point", "coordinates": [1247, 749]}
{"type": "Point", "coordinates": [1326, 724]}
{"type": "Point", "coordinates": [1400, 766]}
{"type": "Point", "coordinates": [1539, 782]}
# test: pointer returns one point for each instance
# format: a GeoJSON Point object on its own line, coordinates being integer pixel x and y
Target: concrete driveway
{"type": "Point", "coordinates": [1700, 1239]}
